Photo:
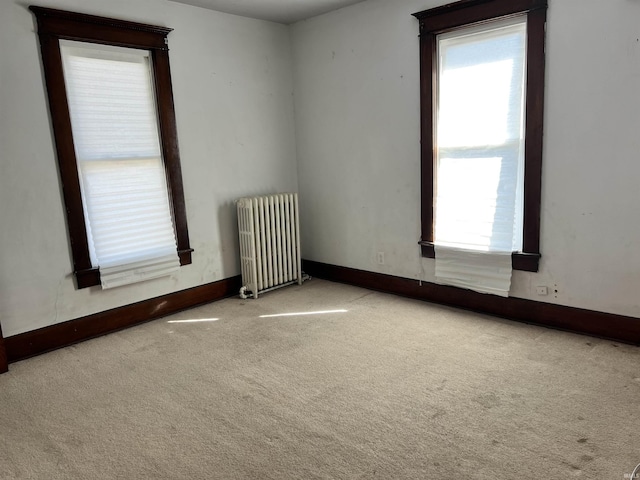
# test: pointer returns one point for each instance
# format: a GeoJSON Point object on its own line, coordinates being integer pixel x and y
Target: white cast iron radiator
{"type": "Point", "coordinates": [269, 242]}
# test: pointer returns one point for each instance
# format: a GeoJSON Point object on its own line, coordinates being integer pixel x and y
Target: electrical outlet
{"type": "Point", "coordinates": [381, 258]}
{"type": "Point", "coordinates": [542, 290]}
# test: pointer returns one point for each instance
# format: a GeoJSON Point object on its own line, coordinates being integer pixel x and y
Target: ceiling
{"type": "Point", "coordinates": [281, 11]}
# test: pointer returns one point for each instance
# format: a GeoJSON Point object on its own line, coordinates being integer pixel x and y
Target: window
{"type": "Point", "coordinates": [109, 89]}
{"type": "Point", "coordinates": [482, 79]}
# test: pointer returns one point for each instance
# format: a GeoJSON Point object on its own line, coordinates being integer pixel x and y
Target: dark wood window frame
{"type": "Point", "coordinates": [55, 25]}
{"type": "Point", "coordinates": [462, 14]}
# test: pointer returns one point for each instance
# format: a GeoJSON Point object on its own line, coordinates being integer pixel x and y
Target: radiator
{"type": "Point", "coordinates": [269, 242]}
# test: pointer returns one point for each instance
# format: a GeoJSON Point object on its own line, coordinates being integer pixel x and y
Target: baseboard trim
{"type": "Point", "coordinates": [49, 338]}
{"type": "Point", "coordinates": [599, 324]}
{"type": "Point", "coordinates": [4, 364]}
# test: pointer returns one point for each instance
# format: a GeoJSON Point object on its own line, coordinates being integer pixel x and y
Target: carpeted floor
{"type": "Point", "coordinates": [388, 388]}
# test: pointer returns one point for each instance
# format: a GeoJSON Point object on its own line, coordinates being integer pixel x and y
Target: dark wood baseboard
{"type": "Point", "coordinates": [45, 339]}
{"type": "Point", "coordinates": [605, 325]}
{"type": "Point", "coordinates": [4, 365]}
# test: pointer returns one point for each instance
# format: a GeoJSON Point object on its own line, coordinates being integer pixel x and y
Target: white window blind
{"type": "Point", "coordinates": [480, 138]}
{"type": "Point", "coordinates": [480, 154]}
{"type": "Point", "coordinates": [115, 131]}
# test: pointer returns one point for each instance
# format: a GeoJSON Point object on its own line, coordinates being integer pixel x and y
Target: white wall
{"type": "Point", "coordinates": [357, 122]}
{"type": "Point", "coordinates": [233, 98]}
{"type": "Point", "coordinates": [357, 135]}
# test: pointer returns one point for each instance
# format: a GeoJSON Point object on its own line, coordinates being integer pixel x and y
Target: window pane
{"type": "Point", "coordinates": [111, 104]}
{"type": "Point", "coordinates": [480, 144]}
{"type": "Point", "coordinates": [129, 213]}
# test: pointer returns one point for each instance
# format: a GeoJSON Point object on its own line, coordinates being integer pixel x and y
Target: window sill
{"type": "Point", "coordinates": [528, 262]}
{"type": "Point", "coordinates": [91, 276]}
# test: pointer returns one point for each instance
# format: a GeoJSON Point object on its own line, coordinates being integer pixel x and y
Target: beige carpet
{"type": "Point", "coordinates": [390, 389]}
